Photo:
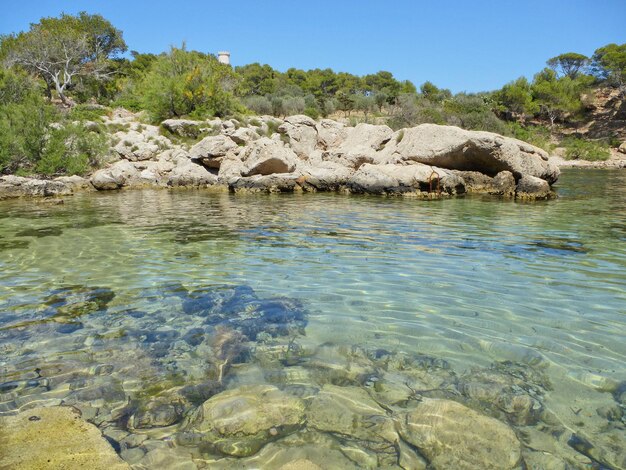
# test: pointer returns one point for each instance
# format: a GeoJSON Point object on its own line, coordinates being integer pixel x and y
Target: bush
{"type": "Point", "coordinates": [258, 104]}
{"type": "Point", "coordinates": [87, 112]}
{"type": "Point", "coordinates": [538, 136]}
{"type": "Point", "coordinates": [72, 150]}
{"type": "Point", "coordinates": [313, 113]}
{"type": "Point", "coordinates": [580, 149]}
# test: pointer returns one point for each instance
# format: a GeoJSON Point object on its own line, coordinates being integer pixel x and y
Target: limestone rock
{"type": "Point", "coordinates": [231, 168]}
{"type": "Point", "coordinates": [244, 135]}
{"type": "Point", "coordinates": [274, 183]}
{"type": "Point", "coordinates": [301, 133]}
{"type": "Point", "coordinates": [212, 150]}
{"type": "Point", "coordinates": [503, 184]}
{"type": "Point", "coordinates": [183, 127]}
{"type": "Point", "coordinates": [459, 149]}
{"type": "Point", "coordinates": [398, 179]}
{"type": "Point", "coordinates": [116, 176]}
{"type": "Point", "coordinates": [362, 145]}
{"type": "Point", "coordinates": [326, 177]}
{"type": "Point", "coordinates": [56, 437]}
{"type": "Point", "coordinates": [16, 186]}
{"type": "Point", "coordinates": [241, 421]}
{"type": "Point", "coordinates": [622, 147]}
{"type": "Point", "coordinates": [330, 133]}
{"type": "Point", "coordinates": [75, 182]}
{"type": "Point", "coordinates": [451, 435]}
{"type": "Point", "coordinates": [139, 146]}
{"type": "Point", "coordinates": [191, 174]}
{"type": "Point", "coordinates": [530, 187]}
{"type": "Point", "coordinates": [265, 157]}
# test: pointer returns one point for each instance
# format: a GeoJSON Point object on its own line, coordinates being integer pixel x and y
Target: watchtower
{"type": "Point", "coordinates": [223, 57]}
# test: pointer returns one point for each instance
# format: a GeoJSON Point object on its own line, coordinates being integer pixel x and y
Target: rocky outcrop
{"type": "Point", "coordinates": [459, 149]}
{"type": "Point", "coordinates": [16, 186]}
{"type": "Point", "coordinates": [451, 435]}
{"type": "Point", "coordinates": [55, 437]}
{"type": "Point", "coordinates": [425, 161]}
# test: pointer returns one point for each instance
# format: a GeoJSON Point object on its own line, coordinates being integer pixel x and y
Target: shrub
{"type": "Point", "coordinates": [72, 150]}
{"type": "Point", "coordinates": [538, 136]}
{"type": "Point", "coordinates": [580, 149]}
{"type": "Point", "coordinates": [313, 113]}
{"type": "Point", "coordinates": [258, 104]}
{"type": "Point", "coordinates": [87, 112]}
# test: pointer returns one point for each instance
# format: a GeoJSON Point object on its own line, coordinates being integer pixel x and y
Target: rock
{"type": "Point", "coordinates": [451, 435]}
{"type": "Point", "coordinates": [330, 133]}
{"type": "Point", "coordinates": [16, 186]}
{"type": "Point", "coordinates": [531, 187]}
{"type": "Point", "coordinates": [212, 150]}
{"type": "Point", "coordinates": [350, 413]}
{"type": "Point", "coordinates": [135, 146]}
{"type": "Point", "coordinates": [75, 182]}
{"type": "Point", "coordinates": [55, 437]}
{"type": "Point", "coordinates": [329, 177]}
{"type": "Point", "coordinates": [301, 133]}
{"type": "Point", "coordinates": [503, 184]}
{"type": "Point", "coordinates": [274, 183]}
{"type": "Point", "coordinates": [458, 149]}
{"type": "Point", "coordinates": [244, 135]}
{"type": "Point", "coordinates": [120, 174]}
{"type": "Point", "coordinates": [397, 179]}
{"type": "Point", "coordinates": [241, 421]}
{"type": "Point", "coordinates": [622, 148]}
{"type": "Point", "coordinates": [265, 157]}
{"type": "Point", "coordinates": [362, 145]}
{"type": "Point", "coordinates": [183, 127]}
{"type": "Point", "coordinates": [231, 168]}
{"type": "Point", "coordinates": [191, 174]}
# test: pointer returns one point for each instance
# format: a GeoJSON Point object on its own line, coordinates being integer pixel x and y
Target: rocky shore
{"type": "Point", "coordinates": [299, 154]}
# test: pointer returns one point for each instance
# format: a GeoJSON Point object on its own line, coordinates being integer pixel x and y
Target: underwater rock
{"type": "Point", "coordinates": [451, 435]}
{"type": "Point", "coordinates": [512, 389]}
{"type": "Point", "coordinates": [54, 437]}
{"type": "Point", "coordinates": [350, 413]}
{"type": "Point", "coordinates": [75, 301]}
{"type": "Point", "coordinates": [340, 365]}
{"type": "Point", "coordinates": [164, 410]}
{"type": "Point", "coordinates": [241, 421]}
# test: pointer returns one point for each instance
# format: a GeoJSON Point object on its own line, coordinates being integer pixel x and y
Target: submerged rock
{"type": "Point", "coordinates": [55, 437]}
{"type": "Point", "coordinates": [451, 435]}
{"type": "Point", "coordinates": [241, 421]}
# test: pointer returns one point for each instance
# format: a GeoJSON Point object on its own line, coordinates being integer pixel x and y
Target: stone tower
{"type": "Point", "coordinates": [224, 57]}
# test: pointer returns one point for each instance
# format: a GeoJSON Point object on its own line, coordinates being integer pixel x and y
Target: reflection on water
{"type": "Point", "coordinates": [137, 307]}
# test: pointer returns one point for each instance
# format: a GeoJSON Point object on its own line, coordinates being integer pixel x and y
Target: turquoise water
{"type": "Point", "coordinates": [101, 294]}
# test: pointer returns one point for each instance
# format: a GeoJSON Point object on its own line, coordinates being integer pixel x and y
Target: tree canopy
{"type": "Point", "coordinates": [60, 49]}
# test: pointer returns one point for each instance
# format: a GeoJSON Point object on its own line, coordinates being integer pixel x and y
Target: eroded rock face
{"type": "Point", "coordinates": [486, 152]}
{"type": "Point", "coordinates": [301, 133]}
{"type": "Point", "coordinates": [265, 157]}
{"type": "Point", "coordinates": [398, 179]}
{"type": "Point", "coordinates": [55, 437]}
{"type": "Point", "coordinates": [114, 177]}
{"type": "Point", "coordinates": [16, 186]}
{"type": "Point", "coordinates": [531, 187]}
{"type": "Point", "coordinates": [362, 145]}
{"type": "Point", "coordinates": [183, 127]}
{"type": "Point", "coordinates": [240, 421]}
{"type": "Point", "coordinates": [451, 435]}
{"type": "Point", "coordinates": [503, 184]}
{"type": "Point", "coordinates": [212, 150]}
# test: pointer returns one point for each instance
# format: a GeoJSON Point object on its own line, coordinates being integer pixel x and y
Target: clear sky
{"type": "Point", "coordinates": [470, 45]}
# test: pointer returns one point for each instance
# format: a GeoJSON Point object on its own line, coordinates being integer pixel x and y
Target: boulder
{"type": "Point", "coordinates": [241, 421]}
{"type": "Point", "coordinates": [458, 149]}
{"type": "Point", "coordinates": [75, 182]}
{"type": "Point", "coordinates": [330, 134]}
{"type": "Point", "coordinates": [362, 145]}
{"type": "Point", "coordinates": [326, 177]}
{"type": "Point", "coordinates": [622, 147]}
{"type": "Point", "coordinates": [503, 184]}
{"type": "Point", "coordinates": [265, 157]}
{"type": "Point", "coordinates": [351, 415]}
{"type": "Point", "coordinates": [244, 135]}
{"type": "Point", "coordinates": [191, 174]}
{"type": "Point", "coordinates": [116, 176]}
{"type": "Point", "coordinates": [16, 186]}
{"type": "Point", "coordinates": [183, 127]}
{"type": "Point", "coordinates": [212, 150]}
{"type": "Point", "coordinates": [55, 437]}
{"type": "Point", "coordinates": [398, 179]}
{"type": "Point", "coordinates": [231, 168]}
{"type": "Point", "coordinates": [301, 133]}
{"type": "Point", "coordinates": [451, 435]}
{"type": "Point", "coordinates": [274, 183]}
{"type": "Point", "coordinates": [531, 187]}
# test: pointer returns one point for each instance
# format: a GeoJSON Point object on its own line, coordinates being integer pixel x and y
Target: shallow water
{"type": "Point", "coordinates": [112, 298]}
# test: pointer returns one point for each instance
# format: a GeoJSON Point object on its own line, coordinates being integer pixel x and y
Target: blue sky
{"type": "Point", "coordinates": [468, 45]}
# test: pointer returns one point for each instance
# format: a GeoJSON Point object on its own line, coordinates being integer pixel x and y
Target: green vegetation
{"type": "Point", "coordinates": [579, 149]}
{"type": "Point", "coordinates": [45, 101]}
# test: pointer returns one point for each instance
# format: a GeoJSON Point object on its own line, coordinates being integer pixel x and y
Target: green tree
{"type": "Point", "coordinates": [570, 64]}
{"type": "Point", "coordinates": [61, 49]}
{"type": "Point", "coordinates": [434, 94]}
{"type": "Point", "coordinates": [557, 96]}
{"type": "Point", "coordinates": [256, 79]}
{"type": "Point", "coordinates": [609, 62]}
{"type": "Point", "coordinates": [516, 97]}
{"type": "Point", "coordinates": [181, 83]}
